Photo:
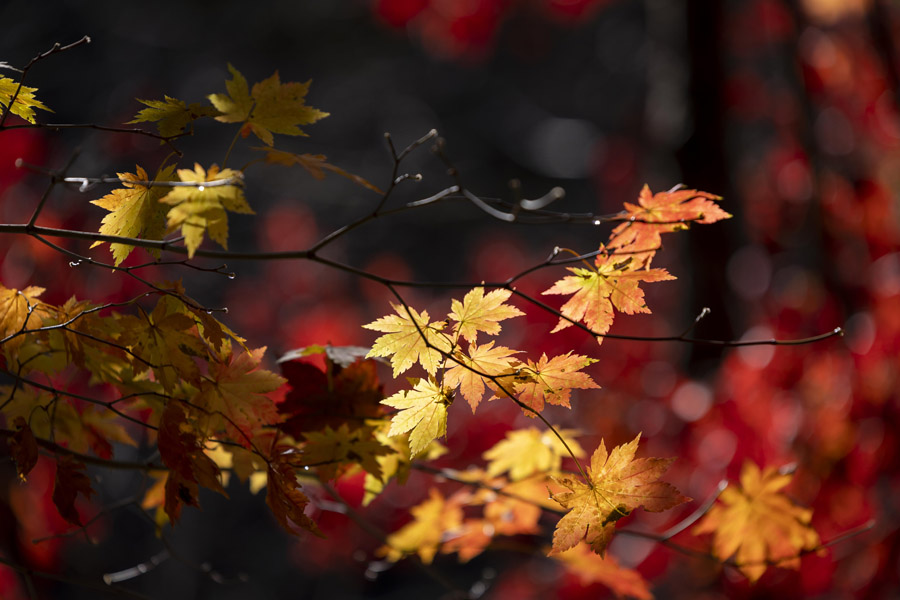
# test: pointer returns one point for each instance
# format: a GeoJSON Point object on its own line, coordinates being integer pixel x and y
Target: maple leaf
{"type": "Point", "coordinates": [486, 359]}
{"type": "Point", "coordinates": [25, 102]}
{"type": "Point", "coordinates": [181, 449]}
{"type": "Point", "coordinates": [234, 391]}
{"type": "Point", "coordinates": [17, 307]}
{"type": "Point", "coordinates": [165, 341]}
{"type": "Point", "coordinates": [233, 459]}
{"type": "Point", "coordinates": [617, 484]}
{"type": "Point", "coordinates": [134, 211]}
{"type": "Point", "coordinates": [23, 448]}
{"type": "Point", "coordinates": [613, 283]}
{"type": "Point", "coordinates": [283, 494]}
{"type": "Point", "coordinates": [69, 483]}
{"type": "Point", "coordinates": [512, 510]}
{"type": "Point", "coordinates": [270, 107]}
{"type": "Point", "coordinates": [338, 396]}
{"type": "Point", "coordinates": [590, 568]}
{"type": "Point", "coordinates": [480, 312]}
{"type": "Point", "coordinates": [758, 524]}
{"type": "Point", "coordinates": [552, 380]}
{"type": "Point", "coordinates": [423, 535]}
{"type": "Point", "coordinates": [397, 464]}
{"type": "Point", "coordinates": [663, 212]}
{"type": "Point", "coordinates": [81, 318]}
{"type": "Point", "coordinates": [525, 452]}
{"type": "Point", "coordinates": [409, 338]}
{"type": "Point", "coordinates": [315, 165]}
{"type": "Point", "coordinates": [329, 448]}
{"type": "Point", "coordinates": [423, 412]}
{"type": "Point", "coordinates": [201, 208]}
{"type": "Point", "coordinates": [171, 115]}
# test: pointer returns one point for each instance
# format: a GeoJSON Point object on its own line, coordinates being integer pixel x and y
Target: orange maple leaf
{"type": "Point", "coordinates": [617, 484]}
{"type": "Point", "coordinates": [17, 307]}
{"type": "Point", "coordinates": [613, 282]}
{"type": "Point", "coordinates": [283, 495]}
{"type": "Point", "coordinates": [590, 568]}
{"type": "Point", "coordinates": [234, 390]}
{"type": "Point", "coordinates": [551, 380]}
{"type": "Point", "coordinates": [758, 523]}
{"type": "Point", "coordinates": [487, 359]}
{"type": "Point", "coordinates": [663, 212]}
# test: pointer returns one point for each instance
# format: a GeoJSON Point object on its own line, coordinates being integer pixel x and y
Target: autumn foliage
{"type": "Point", "coordinates": [163, 374]}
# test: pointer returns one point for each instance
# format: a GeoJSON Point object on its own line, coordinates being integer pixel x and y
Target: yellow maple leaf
{"type": "Point", "coordinates": [171, 115]}
{"type": "Point", "coordinates": [497, 362]}
{"type": "Point", "coordinates": [525, 452]}
{"type": "Point", "coordinates": [617, 484]}
{"type": "Point", "coordinates": [25, 102]}
{"type": "Point", "coordinates": [134, 211]}
{"type": "Point", "coordinates": [17, 313]}
{"type": "Point", "coordinates": [329, 448]}
{"type": "Point", "coordinates": [612, 282]}
{"type": "Point", "coordinates": [270, 107]}
{"type": "Point", "coordinates": [396, 464]}
{"type": "Point", "coordinates": [423, 412]}
{"type": "Point", "coordinates": [480, 312]}
{"type": "Point", "coordinates": [200, 208]}
{"type": "Point", "coordinates": [758, 524]}
{"type": "Point", "coordinates": [165, 341]}
{"type": "Point", "coordinates": [423, 535]}
{"type": "Point", "coordinates": [409, 338]}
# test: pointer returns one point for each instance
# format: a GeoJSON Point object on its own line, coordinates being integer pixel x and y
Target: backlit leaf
{"type": "Point", "coordinates": [617, 485]}
{"type": "Point", "coordinates": [487, 359]}
{"type": "Point", "coordinates": [16, 313]}
{"type": "Point", "coordinates": [757, 523]}
{"type": "Point", "coordinates": [135, 210]}
{"type": "Point", "coordinates": [606, 570]}
{"type": "Point", "coordinates": [614, 282]}
{"type": "Point", "coordinates": [423, 412]}
{"type": "Point", "coordinates": [409, 337]}
{"type": "Point", "coordinates": [482, 312]}
{"type": "Point", "coordinates": [525, 452]}
{"type": "Point", "coordinates": [423, 535]}
{"type": "Point", "coordinates": [552, 380]}
{"type": "Point", "coordinates": [25, 102]}
{"type": "Point", "coordinates": [270, 107]}
{"type": "Point", "coordinates": [199, 209]}
{"type": "Point", "coordinates": [234, 391]}
{"type": "Point", "coordinates": [663, 212]}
